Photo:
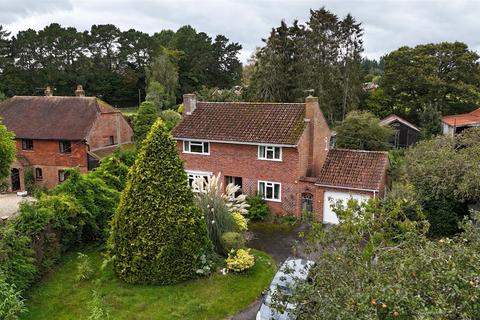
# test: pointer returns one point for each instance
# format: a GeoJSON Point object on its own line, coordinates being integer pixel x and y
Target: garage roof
{"type": "Point", "coordinates": [354, 169]}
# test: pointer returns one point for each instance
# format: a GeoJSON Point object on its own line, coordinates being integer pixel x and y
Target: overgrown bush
{"type": "Point", "coordinates": [232, 240]}
{"type": "Point", "coordinates": [240, 260]}
{"type": "Point", "coordinates": [158, 234]}
{"type": "Point", "coordinates": [11, 303]}
{"type": "Point", "coordinates": [258, 210]}
{"type": "Point", "coordinates": [84, 267]}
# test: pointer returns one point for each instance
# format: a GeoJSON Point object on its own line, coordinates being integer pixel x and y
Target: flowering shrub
{"type": "Point", "coordinates": [240, 221]}
{"type": "Point", "coordinates": [240, 260]}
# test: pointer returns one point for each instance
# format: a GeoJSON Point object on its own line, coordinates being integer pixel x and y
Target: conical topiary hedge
{"type": "Point", "coordinates": [158, 234]}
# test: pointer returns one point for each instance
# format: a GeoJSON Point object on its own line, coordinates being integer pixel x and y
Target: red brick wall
{"type": "Point", "coordinates": [46, 155]}
{"type": "Point", "coordinates": [106, 125]}
{"type": "Point", "coordinates": [242, 161]}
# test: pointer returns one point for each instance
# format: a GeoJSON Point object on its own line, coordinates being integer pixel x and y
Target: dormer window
{"type": "Point", "coordinates": [270, 153]}
{"type": "Point", "coordinates": [200, 147]}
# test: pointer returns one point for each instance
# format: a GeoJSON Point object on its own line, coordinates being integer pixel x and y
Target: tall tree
{"type": "Point", "coordinates": [7, 150]}
{"type": "Point", "coordinates": [146, 117]}
{"type": "Point", "coordinates": [158, 234]}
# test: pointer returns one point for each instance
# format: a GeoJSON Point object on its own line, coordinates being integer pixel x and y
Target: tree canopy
{"type": "Point", "coordinates": [7, 150]}
{"type": "Point", "coordinates": [363, 131]}
{"type": "Point", "coordinates": [111, 63]}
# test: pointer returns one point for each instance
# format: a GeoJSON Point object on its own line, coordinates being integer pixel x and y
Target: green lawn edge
{"type": "Point", "coordinates": [59, 296]}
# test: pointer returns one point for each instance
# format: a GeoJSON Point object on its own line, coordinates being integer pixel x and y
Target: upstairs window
{"type": "Point", "coordinates": [201, 147]}
{"type": "Point", "coordinates": [38, 174]}
{"type": "Point", "coordinates": [111, 140]}
{"type": "Point", "coordinates": [27, 144]}
{"type": "Point", "coordinates": [271, 191]}
{"type": "Point", "coordinates": [65, 147]}
{"type": "Point", "coordinates": [270, 153]}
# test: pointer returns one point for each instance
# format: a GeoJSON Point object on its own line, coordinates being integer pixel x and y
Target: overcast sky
{"type": "Point", "coordinates": [388, 24]}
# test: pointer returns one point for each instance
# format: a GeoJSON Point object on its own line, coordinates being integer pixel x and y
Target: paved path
{"type": "Point", "coordinates": [9, 204]}
{"type": "Point", "coordinates": [280, 242]}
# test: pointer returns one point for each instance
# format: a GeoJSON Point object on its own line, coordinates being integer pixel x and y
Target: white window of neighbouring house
{"type": "Point", "coordinates": [270, 153]}
{"type": "Point", "coordinates": [196, 176]}
{"type": "Point", "coordinates": [271, 191]}
{"type": "Point", "coordinates": [200, 147]}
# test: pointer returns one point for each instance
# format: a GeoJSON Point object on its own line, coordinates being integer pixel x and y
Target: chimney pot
{"type": "Point", "coordinates": [189, 103]}
{"type": "Point", "coordinates": [80, 92]}
{"type": "Point", "coordinates": [48, 92]}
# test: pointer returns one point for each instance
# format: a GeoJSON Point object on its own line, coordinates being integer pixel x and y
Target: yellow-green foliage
{"type": "Point", "coordinates": [241, 260]}
{"type": "Point", "coordinates": [158, 234]}
{"type": "Point", "coordinates": [240, 221]}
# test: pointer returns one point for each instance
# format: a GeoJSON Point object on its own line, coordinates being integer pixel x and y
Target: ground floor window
{"type": "Point", "coordinates": [62, 175]}
{"type": "Point", "coordinates": [195, 176]}
{"type": "Point", "coordinates": [38, 174]}
{"type": "Point", "coordinates": [270, 190]}
{"type": "Point", "coordinates": [236, 181]}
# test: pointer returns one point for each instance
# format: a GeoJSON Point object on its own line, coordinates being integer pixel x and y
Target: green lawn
{"type": "Point", "coordinates": [59, 297]}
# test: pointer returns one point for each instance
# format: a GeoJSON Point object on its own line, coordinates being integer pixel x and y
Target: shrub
{"type": "Point", "coordinates": [240, 221]}
{"type": "Point", "coordinates": [158, 234]}
{"type": "Point", "coordinates": [97, 311]}
{"type": "Point", "coordinates": [240, 260]}
{"type": "Point", "coordinates": [84, 267]}
{"type": "Point", "coordinates": [11, 302]}
{"type": "Point", "coordinates": [232, 240]}
{"type": "Point", "coordinates": [258, 208]}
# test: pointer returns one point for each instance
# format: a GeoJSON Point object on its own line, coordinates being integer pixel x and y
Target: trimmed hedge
{"type": "Point", "coordinates": [158, 235]}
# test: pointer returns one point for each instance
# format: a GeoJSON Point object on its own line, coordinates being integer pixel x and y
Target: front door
{"type": "Point", "coordinates": [307, 202]}
{"type": "Point", "coordinates": [15, 174]}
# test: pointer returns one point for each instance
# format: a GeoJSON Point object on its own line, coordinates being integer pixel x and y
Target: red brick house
{"type": "Point", "coordinates": [279, 150]}
{"type": "Point", "coordinates": [55, 133]}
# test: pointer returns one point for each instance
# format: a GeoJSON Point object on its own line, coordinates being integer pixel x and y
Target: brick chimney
{"type": "Point", "coordinates": [48, 92]}
{"type": "Point", "coordinates": [79, 92]}
{"type": "Point", "coordinates": [319, 135]}
{"type": "Point", "coordinates": [189, 103]}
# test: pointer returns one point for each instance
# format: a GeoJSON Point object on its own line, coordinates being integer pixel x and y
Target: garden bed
{"type": "Point", "coordinates": [59, 296]}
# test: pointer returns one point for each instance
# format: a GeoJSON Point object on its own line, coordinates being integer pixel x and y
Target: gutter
{"type": "Point", "coordinates": [238, 142]}
{"type": "Point", "coordinates": [348, 188]}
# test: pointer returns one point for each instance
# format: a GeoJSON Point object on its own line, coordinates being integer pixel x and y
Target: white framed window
{"type": "Point", "coordinates": [193, 175]}
{"type": "Point", "coordinates": [200, 147]}
{"type": "Point", "coordinates": [271, 191]}
{"type": "Point", "coordinates": [270, 153]}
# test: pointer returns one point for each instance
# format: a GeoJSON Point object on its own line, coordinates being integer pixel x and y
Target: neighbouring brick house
{"type": "Point", "coordinates": [55, 133]}
{"type": "Point", "coordinates": [279, 150]}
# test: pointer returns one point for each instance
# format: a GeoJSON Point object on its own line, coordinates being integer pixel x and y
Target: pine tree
{"type": "Point", "coordinates": [158, 234]}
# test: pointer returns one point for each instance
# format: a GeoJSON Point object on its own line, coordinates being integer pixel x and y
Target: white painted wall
{"type": "Point", "coordinates": [446, 129]}
{"type": "Point", "coordinates": [331, 197]}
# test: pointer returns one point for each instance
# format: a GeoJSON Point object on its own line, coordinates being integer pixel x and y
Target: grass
{"type": "Point", "coordinates": [59, 296]}
{"type": "Point", "coordinates": [129, 111]}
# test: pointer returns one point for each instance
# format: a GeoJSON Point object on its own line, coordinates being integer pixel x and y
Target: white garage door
{"type": "Point", "coordinates": [331, 197]}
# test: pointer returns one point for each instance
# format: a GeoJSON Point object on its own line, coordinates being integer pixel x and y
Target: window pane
{"type": "Point", "coordinates": [186, 146]}
{"type": "Point", "coordinates": [276, 191]}
{"type": "Point", "coordinates": [269, 154]}
{"type": "Point", "coordinates": [277, 153]}
{"type": "Point", "coordinates": [196, 148]}
{"type": "Point", "coordinates": [261, 152]}
{"type": "Point", "coordinates": [205, 147]}
{"type": "Point", "coordinates": [269, 192]}
{"type": "Point", "coordinates": [261, 188]}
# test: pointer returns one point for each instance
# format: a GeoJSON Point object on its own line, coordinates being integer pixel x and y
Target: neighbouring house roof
{"type": "Point", "coordinates": [56, 118]}
{"type": "Point", "coordinates": [101, 153]}
{"type": "Point", "coordinates": [248, 122]}
{"type": "Point", "coordinates": [465, 119]}
{"type": "Point", "coordinates": [354, 169]}
{"type": "Point", "coordinates": [393, 117]}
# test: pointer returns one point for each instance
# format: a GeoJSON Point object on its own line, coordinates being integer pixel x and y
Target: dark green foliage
{"type": "Point", "coordinates": [113, 171]}
{"type": "Point", "coordinates": [95, 196]}
{"type": "Point", "coordinates": [362, 131]}
{"type": "Point", "coordinates": [12, 304]}
{"type": "Point", "coordinates": [158, 234]}
{"type": "Point", "coordinates": [258, 209]}
{"type": "Point", "coordinates": [170, 118]}
{"type": "Point", "coordinates": [7, 149]}
{"type": "Point", "coordinates": [146, 117]}
{"type": "Point", "coordinates": [232, 240]}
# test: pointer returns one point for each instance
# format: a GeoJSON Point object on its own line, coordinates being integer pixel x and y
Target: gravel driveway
{"type": "Point", "coordinates": [9, 204]}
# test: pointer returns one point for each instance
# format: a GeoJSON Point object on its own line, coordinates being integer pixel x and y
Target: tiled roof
{"type": "Point", "coordinates": [58, 118]}
{"type": "Point", "coordinates": [465, 119]}
{"type": "Point", "coordinates": [393, 117]}
{"type": "Point", "coordinates": [276, 123]}
{"type": "Point", "coordinates": [355, 169]}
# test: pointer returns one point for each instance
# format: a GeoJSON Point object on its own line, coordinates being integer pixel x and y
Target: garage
{"type": "Point", "coordinates": [331, 197]}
